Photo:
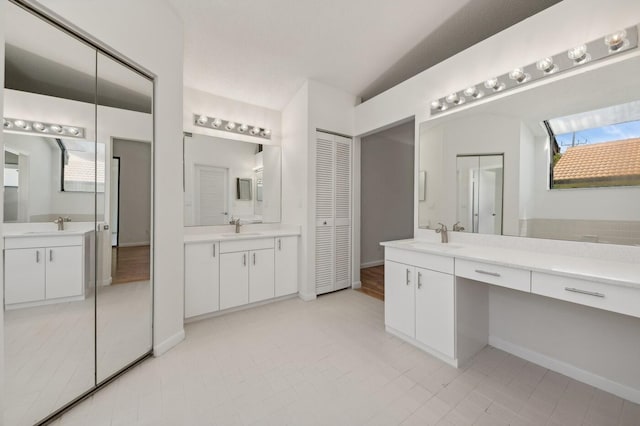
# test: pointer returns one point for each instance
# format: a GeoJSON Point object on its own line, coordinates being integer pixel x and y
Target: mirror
{"type": "Point", "coordinates": [49, 275]}
{"type": "Point", "coordinates": [227, 178]}
{"type": "Point", "coordinates": [124, 295]}
{"type": "Point", "coordinates": [78, 161]}
{"type": "Point", "coordinates": [514, 126]}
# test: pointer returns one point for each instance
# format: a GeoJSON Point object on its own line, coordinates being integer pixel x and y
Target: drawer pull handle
{"type": "Point", "coordinates": [214, 250]}
{"type": "Point", "coordinates": [244, 259]}
{"type": "Point", "coordinates": [254, 258]}
{"type": "Point", "coordinates": [493, 274]}
{"type": "Point", "coordinates": [408, 280]}
{"type": "Point", "coordinates": [588, 293]}
{"type": "Point", "coordinates": [37, 256]}
{"type": "Point", "coordinates": [419, 280]}
{"type": "Point", "coordinates": [279, 244]}
{"type": "Point", "coordinates": [50, 255]}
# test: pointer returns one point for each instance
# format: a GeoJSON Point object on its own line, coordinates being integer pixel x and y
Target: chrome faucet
{"type": "Point", "coordinates": [457, 227]}
{"type": "Point", "coordinates": [60, 222]}
{"type": "Point", "coordinates": [444, 237]}
{"type": "Point", "coordinates": [237, 223]}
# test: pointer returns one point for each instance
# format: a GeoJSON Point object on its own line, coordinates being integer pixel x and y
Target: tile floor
{"type": "Point", "coordinates": [330, 362]}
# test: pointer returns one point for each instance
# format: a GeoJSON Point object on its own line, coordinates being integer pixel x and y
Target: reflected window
{"type": "Point", "coordinates": [82, 169]}
{"type": "Point", "coordinates": [599, 148]}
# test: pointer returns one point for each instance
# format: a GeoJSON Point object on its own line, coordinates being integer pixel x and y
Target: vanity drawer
{"type": "Point", "coordinates": [430, 261]}
{"type": "Point", "coordinates": [48, 241]}
{"type": "Point", "coordinates": [624, 300]}
{"type": "Point", "coordinates": [504, 276]}
{"type": "Point", "coordinates": [245, 245]}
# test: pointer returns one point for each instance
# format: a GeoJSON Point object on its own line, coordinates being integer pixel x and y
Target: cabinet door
{"type": "Point", "coordinates": [399, 303]}
{"type": "Point", "coordinates": [201, 278]}
{"type": "Point", "coordinates": [286, 261]}
{"type": "Point", "coordinates": [23, 275]}
{"type": "Point", "coordinates": [63, 272]}
{"type": "Point", "coordinates": [234, 279]}
{"type": "Point", "coordinates": [435, 310]}
{"type": "Point", "coordinates": [261, 275]}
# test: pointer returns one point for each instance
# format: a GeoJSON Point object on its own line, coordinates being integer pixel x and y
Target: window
{"type": "Point", "coordinates": [599, 148]}
{"type": "Point", "coordinates": [80, 170]}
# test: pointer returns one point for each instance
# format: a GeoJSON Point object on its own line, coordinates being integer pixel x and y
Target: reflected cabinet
{"type": "Point", "coordinates": [78, 159]}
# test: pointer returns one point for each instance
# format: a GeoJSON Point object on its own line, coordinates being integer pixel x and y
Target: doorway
{"type": "Point", "coordinates": [387, 199]}
{"type": "Point", "coordinates": [115, 199]}
{"type": "Point", "coordinates": [212, 187]}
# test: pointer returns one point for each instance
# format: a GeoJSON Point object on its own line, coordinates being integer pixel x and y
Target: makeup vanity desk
{"type": "Point", "coordinates": [437, 297]}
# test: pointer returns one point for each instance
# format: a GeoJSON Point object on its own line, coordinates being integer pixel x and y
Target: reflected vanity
{"type": "Point", "coordinates": [77, 223]}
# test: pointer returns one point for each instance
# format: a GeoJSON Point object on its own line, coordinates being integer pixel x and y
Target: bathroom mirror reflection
{"type": "Point", "coordinates": [514, 125]}
{"type": "Point", "coordinates": [227, 178]}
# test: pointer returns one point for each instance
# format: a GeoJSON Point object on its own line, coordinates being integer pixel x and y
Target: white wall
{"type": "Point", "coordinates": [295, 151]}
{"type": "Point", "coordinates": [134, 217]}
{"type": "Point", "coordinates": [386, 171]}
{"type": "Point", "coordinates": [150, 33]}
{"type": "Point", "coordinates": [199, 102]}
{"type": "Point", "coordinates": [2, 19]}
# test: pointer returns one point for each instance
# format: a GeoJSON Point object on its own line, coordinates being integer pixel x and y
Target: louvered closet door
{"type": "Point", "coordinates": [342, 212]}
{"type": "Point", "coordinates": [325, 244]}
{"type": "Point", "coordinates": [333, 213]}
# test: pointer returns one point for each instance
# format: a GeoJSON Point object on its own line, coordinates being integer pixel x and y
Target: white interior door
{"type": "Point", "coordinates": [325, 239]}
{"type": "Point", "coordinates": [490, 194]}
{"type": "Point", "coordinates": [343, 213]}
{"type": "Point", "coordinates": [211, 189]}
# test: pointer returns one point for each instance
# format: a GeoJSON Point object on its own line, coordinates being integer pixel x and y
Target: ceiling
{"type": "Point", "coordinates": [261, 52]}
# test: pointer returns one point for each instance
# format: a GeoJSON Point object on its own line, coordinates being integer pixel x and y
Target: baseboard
{"type": "Point", "coordinates": [356, 284]}
{"type": "Point", "coordinates": [162, 347]}
{"type": "Point", "coordinates": [139, 244]}
{"type": "Point", "coordinates": [307, 297]}
{"type": "Point", "coordinates": [608, 385]}
{"type": "Point", "coordinates": [372, 264]}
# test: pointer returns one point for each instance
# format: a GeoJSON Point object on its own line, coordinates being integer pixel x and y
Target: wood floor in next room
{"type": "Point", "coordinates": [129, 264]}
{"type": "Point", "coordinates": [372, 280]}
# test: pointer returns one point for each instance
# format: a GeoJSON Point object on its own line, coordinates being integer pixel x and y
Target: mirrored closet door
{"type": "Point", "coordinates": [78, 143]}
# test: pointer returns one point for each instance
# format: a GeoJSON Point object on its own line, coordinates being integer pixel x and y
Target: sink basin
{"type": "Point", "coordinates": [241, 234]}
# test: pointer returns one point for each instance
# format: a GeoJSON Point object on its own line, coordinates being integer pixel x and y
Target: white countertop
{"type": "Point", "coordinates": [54, 233]}
{"type": "Point", "coordinates": [243, 235]}
{"type": "Point", "coordinates": [612, 272]}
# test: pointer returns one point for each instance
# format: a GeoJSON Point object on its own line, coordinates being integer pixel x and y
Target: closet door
{"type": "Point", "coordinates": [342, 212]}
{"type": "Point", "coordinates": [325, 244]}
{"type": "Point", "coordinates": [333, 213]}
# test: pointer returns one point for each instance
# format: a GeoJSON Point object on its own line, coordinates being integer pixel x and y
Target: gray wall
{"type": "Point", "coordinates": [135, 191]}
{"type": "Point", "coordinates": [387, 162]}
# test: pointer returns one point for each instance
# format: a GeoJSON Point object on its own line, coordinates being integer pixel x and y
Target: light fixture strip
{"type": "Point", "coordinates": [217, 123]}
{"type": "Point", "coordinates": [40, 128]}
{"type": "Point", "coordinates": [601, 48]}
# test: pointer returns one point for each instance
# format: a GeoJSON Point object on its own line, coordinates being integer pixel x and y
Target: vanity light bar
{"type": "Point", "coordinates": [17, 125]}
{"type": "Point", "coordinates": [612, 44]}
{"type": "Point", "coordinates": [231, 126]}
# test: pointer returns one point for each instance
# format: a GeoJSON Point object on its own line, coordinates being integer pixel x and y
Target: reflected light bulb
{"type": "Point", "coordinates": [202, 120]}
{"type": "Point", "coordinates": [55, 128]}
{"type": "Point", "coordinates": [216, 122]}
{"type": "Point", "coordinates": [616, 41]}
{"type": "Point", "coordinates": [578, 54]}
{"type": "Point", "coordinates": [230, 125]}
{"type": "Point", "coordinates": [243, 128]}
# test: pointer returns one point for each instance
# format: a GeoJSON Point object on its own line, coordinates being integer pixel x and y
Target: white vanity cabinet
{"type": "Point", "coordinates": [420, 300]}
{"type": "Point", "coordinates": [201, 278]}
{"type": "Point", "coordinates": [43, 269]}
{"type": "Point", "coordinates": [246, 272]}
{"type": "Point", "coordinates": [286, 265]}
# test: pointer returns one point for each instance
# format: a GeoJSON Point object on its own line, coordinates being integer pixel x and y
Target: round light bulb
{"type": "Point", "coordinates": [255, 130]}
{"type": "Point", "coordinates": [454, 99]}
{"type": "Point", "coordinates": [266, 133]}
{"type": "Point", "coordinates": [494, 84]}
{"type": "Point", "coordinates": [616, 41]}
{"type": "Point", "coordinates": [546, 65]}
{"type": "Point", "coordinates": [6, 124]}
{"type": "Point", "coordinates": [202, 120]}
{"type": "Point", "coordinates": [39, 127]}
{"type": "Point", "coordinates": [216, 122]}
{"type": "Point", "coordinates": [55, 128]}
{"type": "Point", "coordinates": [473, 92]}
{"type": "Point", "coordinates": [73, 131]}
{"type": "Point", "coordinates": [230, 125]}
{"type": "Point", "coordinates": [243, 128]}
{"type": "Point", "coordinates": [436, 105]}
{"type": "Point", "coordinates": [578, 54]}
{"type": "Point", "coordinates": [518, 75]}
{"type": "Point", "coordinates": [20, 123]}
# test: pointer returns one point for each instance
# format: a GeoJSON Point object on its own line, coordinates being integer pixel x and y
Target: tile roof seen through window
{"type": "Point", "coordinates": [618, 159]}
